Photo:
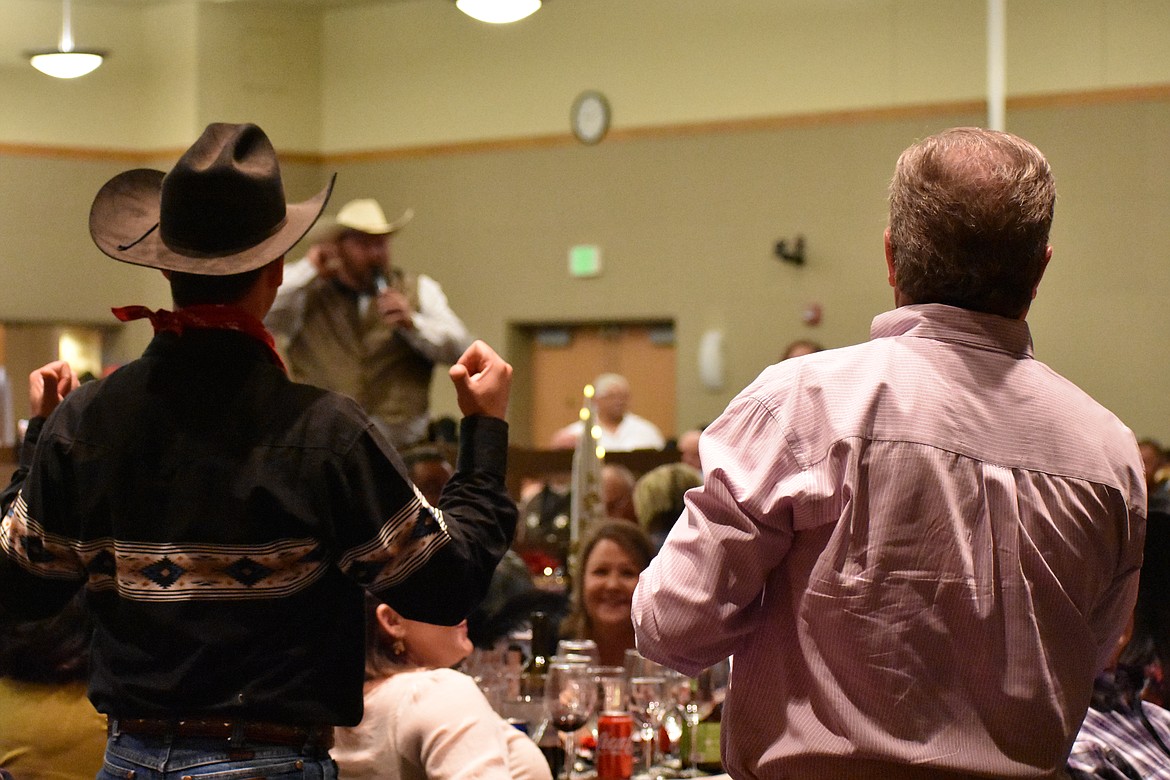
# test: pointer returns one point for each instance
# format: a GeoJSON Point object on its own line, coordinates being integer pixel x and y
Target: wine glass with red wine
{"type": "Point", "coordinates": [570, 694]}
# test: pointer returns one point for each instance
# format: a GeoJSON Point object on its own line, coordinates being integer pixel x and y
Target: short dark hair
{"type": "Point", "coordinates": [193, 289]}
{"type": "Point", "coordinates": [970, 213]}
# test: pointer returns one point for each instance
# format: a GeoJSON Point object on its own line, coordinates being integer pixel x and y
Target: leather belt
{"type": "Point", "coordinates": [233, 731]}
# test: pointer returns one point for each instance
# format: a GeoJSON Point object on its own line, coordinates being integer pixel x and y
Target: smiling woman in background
{"type": "Point", "coordinates": [422, 718]}
{"type": "Point", "coordinates": [613, 556]}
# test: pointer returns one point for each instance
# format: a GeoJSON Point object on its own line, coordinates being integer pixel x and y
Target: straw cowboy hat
{"type": "Point", "coordinates": [364, 215]}
{"type": "Point", "coordinates": [221, 210]}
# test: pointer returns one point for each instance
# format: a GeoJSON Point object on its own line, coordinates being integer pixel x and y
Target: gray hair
{"type": "Point", "coordinates": [607, 382]}
{"type": "Point", "coordinates": [970, 212]}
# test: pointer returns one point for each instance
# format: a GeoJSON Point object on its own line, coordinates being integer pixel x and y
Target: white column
{"type": "Point", "coordinates": [996, 65]}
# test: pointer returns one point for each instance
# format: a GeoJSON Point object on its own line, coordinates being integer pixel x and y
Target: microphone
{"type": "Point", "coordinates": [381, 283]}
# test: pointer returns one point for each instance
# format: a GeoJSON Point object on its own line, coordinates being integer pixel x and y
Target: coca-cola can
{"type": "Point", "coordinates": [615, 746]}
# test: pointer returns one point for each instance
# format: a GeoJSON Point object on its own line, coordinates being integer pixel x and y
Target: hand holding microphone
{"type": "Point", "coordinates": [392, 302]}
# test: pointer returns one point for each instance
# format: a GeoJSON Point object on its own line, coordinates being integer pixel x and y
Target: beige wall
{"type": "Point", "coordinates": [416, 73]}
{"type": "Point", "coordinates": [731, 132]}
{"type": "Point", "coordinates": [686, 226]}
{"type": "Point", "coordinates": [174, 66]}
{"type": "Point", "coordinates": [261, 66]}
{"type": "Point", "coordinates": [143, 97]}
{"type": "Point", "coordinates": [388, 75]}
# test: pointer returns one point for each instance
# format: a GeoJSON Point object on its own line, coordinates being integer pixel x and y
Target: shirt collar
{"type": "Point", "coordinates": [951, 324]}
{"type": "Point", "coordinates": [204, 317]}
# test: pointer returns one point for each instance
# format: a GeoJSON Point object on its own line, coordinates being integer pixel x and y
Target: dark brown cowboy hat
{"type": "Point", "coordinates": [221, 209]}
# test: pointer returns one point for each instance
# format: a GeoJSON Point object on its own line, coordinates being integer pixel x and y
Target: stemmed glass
{"type": "Point", "coordinates": [570, 694]}
{"type": "Point", "coordinates": [676, 692]}
{"type": "Point", "coordinates": [647, 704]}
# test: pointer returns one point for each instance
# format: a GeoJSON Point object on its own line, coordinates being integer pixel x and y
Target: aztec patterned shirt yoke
{"type": "Point", "coordinates": [226, 521]}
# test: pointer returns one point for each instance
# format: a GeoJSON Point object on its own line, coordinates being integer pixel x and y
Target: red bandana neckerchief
{"type": "Point", "coordinates": [203, 316]}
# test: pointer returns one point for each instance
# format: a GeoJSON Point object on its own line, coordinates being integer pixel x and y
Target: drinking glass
{"type": "Point", "coordinates": [486, 667]}
{"type": "Point", "coordinates": [676, 692]}
{"type": "Point", "coordinates": [579, 647]}
{"type": "Point", "coordinates": [647, 705]}
{"type": "Point", "coordinates": [570, 695]}
{"type": "Point", "coordinates": [637, 666]}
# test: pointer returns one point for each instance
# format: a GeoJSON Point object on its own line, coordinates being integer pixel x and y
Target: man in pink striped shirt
{"type": "Point", "coordinates": [919, 549]}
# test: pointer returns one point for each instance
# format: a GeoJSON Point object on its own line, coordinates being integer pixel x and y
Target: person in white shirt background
{"type": "Point", "coordinates": [621, 429]}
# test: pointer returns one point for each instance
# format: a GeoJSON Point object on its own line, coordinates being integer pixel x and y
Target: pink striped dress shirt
{"type": "Point", "coordinates": [920, 550]}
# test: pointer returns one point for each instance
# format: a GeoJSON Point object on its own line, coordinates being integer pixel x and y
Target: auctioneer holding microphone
{"type": "Point", "coordinates": [351, 321]}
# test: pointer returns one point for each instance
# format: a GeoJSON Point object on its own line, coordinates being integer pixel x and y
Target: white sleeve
{"type": "Point", "coordinates": [438, 333]}
{"type": "Point", "coordinates": [456, 732]}
{"type": "Point", "coordinates": [525, 760]}
{"type": "Point", "coordinates": [287, 314]}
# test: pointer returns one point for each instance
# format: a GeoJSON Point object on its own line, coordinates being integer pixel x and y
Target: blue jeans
{"type": "Point", "coordinates": [138, 757]}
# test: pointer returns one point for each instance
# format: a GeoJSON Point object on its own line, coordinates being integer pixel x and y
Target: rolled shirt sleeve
{"type": "Point", "coordinates": [287, 315]}
{"type": "Point", "coordinates": [698, 597]}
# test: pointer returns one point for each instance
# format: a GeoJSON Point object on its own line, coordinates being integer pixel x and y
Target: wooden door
{"type": "Point", "coordinates": [565, 358]}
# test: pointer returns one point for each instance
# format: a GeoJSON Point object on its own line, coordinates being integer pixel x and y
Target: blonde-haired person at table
{"type": "Point", "coordinates": [422, 718]}
{"type": "Point", "coordinates": [614, 553]}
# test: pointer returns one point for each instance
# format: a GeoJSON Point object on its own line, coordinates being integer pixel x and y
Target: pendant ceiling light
{"type": "Point", "coordinates": [498, 11]}
{"type": "Point", "coordinates": [66, 62]}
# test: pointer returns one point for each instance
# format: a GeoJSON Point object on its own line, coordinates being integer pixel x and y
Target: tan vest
{"type": "Point", "coordinates": [339, 349]}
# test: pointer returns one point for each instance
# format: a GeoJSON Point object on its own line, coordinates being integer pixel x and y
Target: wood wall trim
{"type": "Point", "coordinates": [1080, 98]}
{"type": "Point", "coordinates": [1093, 97]}
{"type": "Point", "coordinates": [456, 147]}
{"type": "Point", "coordinates": [79, 153]}
{"type": "Point", "coordinates": [131, 156]}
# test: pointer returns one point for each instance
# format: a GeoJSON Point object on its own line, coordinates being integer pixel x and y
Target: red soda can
{"type": "Point", "coordinates": [615, 746]}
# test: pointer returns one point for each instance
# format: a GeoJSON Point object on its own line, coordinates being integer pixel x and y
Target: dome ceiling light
{"type": "Point", "coordinates": [66, 62]}
{"type": "Point", "coordinates": [498, 11]}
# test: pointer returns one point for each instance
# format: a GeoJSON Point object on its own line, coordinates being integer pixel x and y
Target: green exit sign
{"type": "Point", "coordinates": [584, 260]}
